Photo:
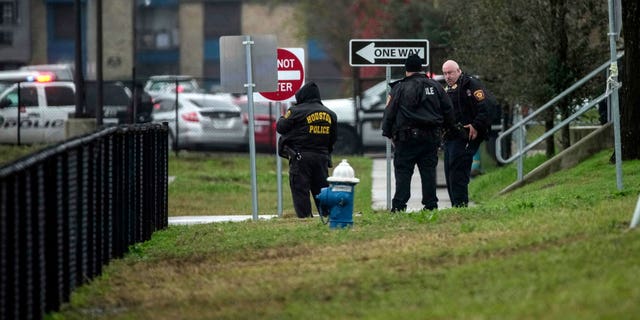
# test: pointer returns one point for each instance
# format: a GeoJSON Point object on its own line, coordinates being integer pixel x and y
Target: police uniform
{"type": "Point", "coordinates": [471, 106]}
{"type": "Point", "coordinates": [309, 131]}
{"type": "Point", "coordinates": [418, 108]}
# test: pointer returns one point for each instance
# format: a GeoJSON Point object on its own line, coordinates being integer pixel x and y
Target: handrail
{"type": "Point", "coordinates": [520, 125]}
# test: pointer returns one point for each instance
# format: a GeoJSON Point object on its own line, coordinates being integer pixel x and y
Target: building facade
{"type": "Point", "coordinates": [15, 31]}
{"type": "Point", "coordinates": [144, 37]}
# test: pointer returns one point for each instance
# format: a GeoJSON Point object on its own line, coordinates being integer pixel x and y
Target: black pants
{"type": "Point", "coordinates": [308, 174]}
{"type": "Point", "coordinates": [458, 158]}
{"type": "Point", "coordinates": [420, 150]}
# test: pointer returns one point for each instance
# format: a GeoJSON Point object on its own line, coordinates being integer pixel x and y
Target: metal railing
{"type": "Point", "coordinates": [520, 126]}
{"type": "Point", "coordinates": [67, 210]}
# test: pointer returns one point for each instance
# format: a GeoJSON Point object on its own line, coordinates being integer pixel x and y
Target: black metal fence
{"type": "Point", "coordinates": [69, 209]}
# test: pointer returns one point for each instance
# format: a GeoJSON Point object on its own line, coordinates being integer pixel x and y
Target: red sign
{"type": "Point", "coordinates": [290, 75]}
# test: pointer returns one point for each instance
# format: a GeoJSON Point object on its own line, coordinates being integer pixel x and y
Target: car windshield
{"type": "Point", "coordinates": [374, 95]}
{"type": "Point", "coordinates": [113, 94]}
{"type": "Point", "coordinates": [376, 89]}
{"type": "Point", "coordinates": [170, 85]}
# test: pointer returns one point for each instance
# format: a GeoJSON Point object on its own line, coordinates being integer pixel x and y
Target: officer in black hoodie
{"type": "Point", "coordinates": [418, 108]}
{"type": "Point", "coordinates": [309, 131]}
{"type": "Point", "coordinates": [471, 105]}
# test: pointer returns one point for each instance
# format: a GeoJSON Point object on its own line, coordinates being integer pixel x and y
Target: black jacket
{"type": "Point", "coordinates": [417, 102]}
{"type": "Point", "coordinates": [308, 125]}
{"type": "Point", "coordinates": [471, 103]}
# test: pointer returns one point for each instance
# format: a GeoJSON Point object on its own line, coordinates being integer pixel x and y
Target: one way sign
{"type": "Point", "coordinates": [386, 52]}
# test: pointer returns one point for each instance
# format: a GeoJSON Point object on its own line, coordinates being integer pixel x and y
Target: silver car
{"type": "Point", "coordinates": [205, 121]}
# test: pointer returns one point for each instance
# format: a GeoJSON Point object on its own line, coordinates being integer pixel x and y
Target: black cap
{"type": "Point", "coordinates": [413, 63]}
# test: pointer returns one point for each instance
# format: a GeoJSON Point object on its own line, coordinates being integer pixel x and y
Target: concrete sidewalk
{"type": "Point", "coordinates": [187, 220]}
{"type": "Point", "coordinates": [379, 187]}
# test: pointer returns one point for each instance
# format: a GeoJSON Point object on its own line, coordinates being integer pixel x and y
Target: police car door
{"type": "Point", "coordinates": [27, 113]}
{"type": "Point", "coordinates": [60, 102]}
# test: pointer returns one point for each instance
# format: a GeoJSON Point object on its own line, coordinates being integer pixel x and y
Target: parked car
{"type": "Point", "coordinates": [43, 112]}
{"type": "Point", "coordinates": [204, 121]}
{"type": "Point", "coordinates": [45, 108]}
{"type": "Point", "coordinates": [118, 103]}
{"type": "Point", "coordinates": [266, 115]}
{"type": "Point", "coordinates": [370, 113]}
{"type": "Point", "coordinates": [167, 83]}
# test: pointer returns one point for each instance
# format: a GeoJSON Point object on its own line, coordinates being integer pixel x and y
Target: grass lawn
{"type": "Point", "coordinates": [559, 248]}
{"type": "Point", "coordinates": [220, 184]}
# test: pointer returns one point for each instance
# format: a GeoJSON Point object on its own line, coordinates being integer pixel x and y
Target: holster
{"type": "Point", "coordinates": [290, 153]}
{"type": "Point", "coordinates": [285, 151]}
{"type": "Point", "coordinates": [457, 132]}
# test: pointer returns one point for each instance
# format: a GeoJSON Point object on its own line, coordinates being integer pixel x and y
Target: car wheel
{"type": "Point", "coordinates": [347, 142]}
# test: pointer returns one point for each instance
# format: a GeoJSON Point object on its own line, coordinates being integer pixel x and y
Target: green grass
{"type": "Point", "coordinates": [10, 153]}
{"type": "Point", "coordinates": [219, 184]}
{"type": "Point", "coordinates": [559, 248]}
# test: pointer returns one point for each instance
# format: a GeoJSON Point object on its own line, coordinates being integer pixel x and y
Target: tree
{"type": "Point", "coordinates": [528, 51]}
{"type": "Point", "coordinates": [334, 24]}
{"type": "Point", "coordinates": [419, 19]}
{"type": "Point", "coordinates": [629, 97]}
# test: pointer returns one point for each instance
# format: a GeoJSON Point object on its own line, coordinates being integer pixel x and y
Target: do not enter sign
{"type": "Point", "coordinates": [290, 74]}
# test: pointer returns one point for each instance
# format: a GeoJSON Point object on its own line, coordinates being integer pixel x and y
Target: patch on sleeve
{"type": "Point", "coordinates": [479, 94]}
{"type": "Point", "coordinates": [286, 115]}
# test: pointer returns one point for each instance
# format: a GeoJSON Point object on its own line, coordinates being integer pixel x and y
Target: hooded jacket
{"type": "Point", "coordinates": [308, 126]}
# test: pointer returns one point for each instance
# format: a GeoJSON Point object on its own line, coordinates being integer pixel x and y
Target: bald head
{"type": "Point", "coordinates": [451, 71]}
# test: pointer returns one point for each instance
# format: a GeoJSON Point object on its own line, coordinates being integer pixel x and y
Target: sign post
{"type": "Point", "coordinates": [386, 53]}
{"type": "Point", "coordinates": [246, 53]}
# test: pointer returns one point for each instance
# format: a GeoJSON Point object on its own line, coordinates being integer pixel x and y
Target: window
{"type": "Point", "coordinates": [59, 96]}
{"type": "Point", "coordinates": [28, 97]}
{"type": "Point", "coordinates": [167, 105]}
{"type": "Point", "coordinates": [64, 17]}
{"type": "Point", "coordinates": [8, 13]}
{"type": "Point", "coordinates": [222, 18]}
{"type": "Point", "coordinates": [6, 38]}
{"type": "Point", "coordinates": [157, 28]}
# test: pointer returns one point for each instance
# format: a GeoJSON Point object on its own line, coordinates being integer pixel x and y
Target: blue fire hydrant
{"type": "Point", "coordinates": [336, 200]}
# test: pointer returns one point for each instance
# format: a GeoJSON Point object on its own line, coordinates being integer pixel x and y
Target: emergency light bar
{"type": "Point", "coordinates": [44, 77]}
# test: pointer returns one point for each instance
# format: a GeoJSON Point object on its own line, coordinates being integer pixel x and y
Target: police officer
{"type": "Point", "coordinates": [471, 109]}
{"type": "Point", "coordinates": [309, 131]}
{"type": "Point", "coordinates": [417, 109]}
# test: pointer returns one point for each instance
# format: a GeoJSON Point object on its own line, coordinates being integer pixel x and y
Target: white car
{"type": "Point", "coordinates": [204, 121]}
{"type": "Point", "coordinates": [42, 115]}
{"type": "Point", "coordinates": [46, 106]}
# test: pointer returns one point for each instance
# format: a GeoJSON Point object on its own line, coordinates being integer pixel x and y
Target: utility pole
{"type": "Point", "coordinates": [99, 84]}
{"type": "Point", "coordinates": [79, 78]}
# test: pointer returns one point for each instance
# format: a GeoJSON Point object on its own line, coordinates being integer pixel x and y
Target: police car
{"type": "Point", "coordinates": [37, 111]}
{"type": "Point", "coordinates": [40, 108]}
